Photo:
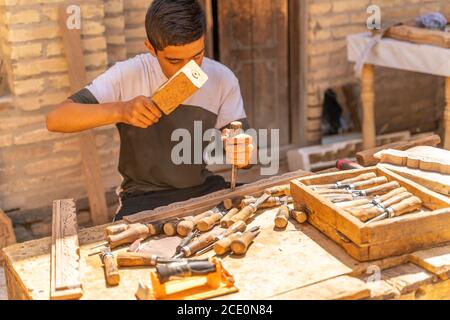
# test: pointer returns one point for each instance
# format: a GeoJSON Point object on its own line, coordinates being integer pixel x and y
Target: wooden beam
{"type": "Point", "coordinates": [298, 32]}
{"type": "Point", "coordinates": [201, 204]}
{"type": "Point", "coordinates": [7, 236]}
{"type": "Point", "coordinates": [65, 280]}
{"type": "Point", "coordinates": [73, 49]}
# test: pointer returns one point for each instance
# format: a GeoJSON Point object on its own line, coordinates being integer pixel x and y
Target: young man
{"type": "Point", "coordinates": [121, 96]}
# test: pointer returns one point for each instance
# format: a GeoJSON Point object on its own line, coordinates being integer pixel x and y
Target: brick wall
{"type": "Point", "coordinates": [330, 21]}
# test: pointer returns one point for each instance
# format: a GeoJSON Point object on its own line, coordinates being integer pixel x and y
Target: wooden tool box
{"type": "Point", "coordinates": [381, 239]}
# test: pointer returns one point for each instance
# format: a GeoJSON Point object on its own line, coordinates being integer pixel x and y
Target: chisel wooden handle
{"type": "Point", "coordinates": [198, 244]}
{"type": "Point", "coordinates": [189, 223]}
{"type": "Point", "coordinates": [381, 189]}
{"type": "Point", "coordinates": [282, 217]}
{"type": "Point", "coordinates": [130, 235]}
{"type": "Point", "coordinates": [299, 216]}
{"type": "Point", "coordinates": [170, 227]}
{"type": "Point", "coordinates": [240, 245]}
{"type": "Point", "coordinates": [226, 222]}
{"type": "Point", "coordinates": [244, 214]}
{"type": "Point", "coordinates": [155, 228]}
{"type": "Point", "coordinates": [362, 177]}
{"type": "Point", "coordinates": [135, 259]}
{"type": "Point", "coordinates": [406, 206]}
{"type": "Point", "coordinates": [116, 228]}
{"type": "Point", "coordinates": [366, 183]}
{"type": "Point", "coordinates": [208, 223]}
{"type": "Point", "coordinates": [278, 191]}
{"type": "Point", "coordinates": [269, 203]}
{"type": "Point", "coordinates": [238, 226]}
{"type": "Point", "coordinates": [111, 271]}
{"type": "Point", "coordinates": [365, 214]}
{"type": "Point", "coordinates": [224, 245]}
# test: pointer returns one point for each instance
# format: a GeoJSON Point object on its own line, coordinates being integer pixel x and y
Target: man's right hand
{"type": "Point", "coordinates": [140, 112]}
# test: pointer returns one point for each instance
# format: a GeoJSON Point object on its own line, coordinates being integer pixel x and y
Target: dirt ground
{"type": "Point", "coordinates": [3, 295]}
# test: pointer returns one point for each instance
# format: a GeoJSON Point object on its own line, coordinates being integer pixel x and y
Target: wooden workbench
{"type": "Point", "coordinates": [297, 263]}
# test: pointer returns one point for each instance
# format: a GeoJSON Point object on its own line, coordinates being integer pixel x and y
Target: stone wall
{"type": "Point", "coordinates": [330, 21]}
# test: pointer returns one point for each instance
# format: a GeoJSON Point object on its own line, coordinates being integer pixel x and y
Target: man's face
{"type": "Point", "coordinates": [173, 58]}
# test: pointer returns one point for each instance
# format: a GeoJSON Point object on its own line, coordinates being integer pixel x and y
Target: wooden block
{"type": "Point", "coordinates": [410, 32]}
{"type": "Point", "coordinates": [180, 87]}
{"type": "Point", "coordinates": [339, 288]}
{"type": "Point", "coordinates": [407, 278]}
{"type": "Point", "coordinates": [7, 236]}
{"type": "Point", "coordinates": [435, 260]}
{"type": "Point", "coordinates": [65, 280]}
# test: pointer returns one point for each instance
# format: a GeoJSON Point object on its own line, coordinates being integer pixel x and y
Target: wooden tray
{"type": "Point", "coordinates": [409, 32]}
{"type": "Point", "coordinates": [380, 239]}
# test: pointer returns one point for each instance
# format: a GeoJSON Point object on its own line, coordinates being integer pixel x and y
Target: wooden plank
{"type": "Point", "coordinates": [368, 106]}
{"type": "Point", "coordinates": [89, 155]}
{"type": "Point", "coordinates": [198, 205]}
{"type": "Point", "coordinates": [7, 236]}
{"type": "Point", "coordinates": [65, 282]}
{"type": "Point", "coordinates": [407, 278]}
{"type": "Point", "coordinates": [435, 260]}
{"type": "Point", "coordinates": [339, 288]}
{"type": "Point", "coordinates": [366, 157]}
{"type": "Point", "coordinates": [410, 32]}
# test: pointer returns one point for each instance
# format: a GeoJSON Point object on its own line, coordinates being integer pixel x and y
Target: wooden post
{"type": "Point", "coordinates": [7, 236]}
{"type": "Point", "coordinates": [91, 163]}
{"type": "Point", "coordinates": [368, 106]}
{"type": "Point", "coordinates": [447, 115]}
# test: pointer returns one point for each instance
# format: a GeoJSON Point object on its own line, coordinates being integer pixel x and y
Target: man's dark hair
{"type": "Point", "coordinates": [174, 23]}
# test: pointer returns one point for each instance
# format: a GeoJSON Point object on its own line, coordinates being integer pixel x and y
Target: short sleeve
{"type": "Point", "coordinates": [232, 106]}
{"type": "Point", "coordinates": [106, 87]}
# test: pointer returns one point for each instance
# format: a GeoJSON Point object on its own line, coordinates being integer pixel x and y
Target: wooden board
{"type": "Point", "coordinates": [432, 180]}
{"type": "Point", "coordinates": [422, 157]}
{"type": "Point", "coordinates": [201, 204]}
{"type": "Point", "coordinates": [367, 158]}
{"type": "Point", "coordinates": [382, 239]}
{"type": "Point", "coordinates": [65, 282]}
{"type": "Point", "coordinates": [435, 260]}
{"type": "Point", "coordinates": [409, 32]}
{"type": "Point", "coordinates": [73, 49]}
{"type": "Point", "coordinates": [7, 236]}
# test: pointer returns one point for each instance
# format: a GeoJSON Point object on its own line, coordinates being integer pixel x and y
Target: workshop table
{"type": "Point", "coordinates": [297, 263]}
{"type": "Point", "coordinates": [401, 55]}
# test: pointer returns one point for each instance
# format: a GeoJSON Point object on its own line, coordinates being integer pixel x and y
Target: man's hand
{"type": "Point", "coordinates": [238, 149]}
{"type": "Point", "coordinates": [140, 112]}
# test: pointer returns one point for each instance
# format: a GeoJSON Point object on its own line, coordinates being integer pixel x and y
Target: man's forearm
{"type": "Point", "coordinates": [71, 117]}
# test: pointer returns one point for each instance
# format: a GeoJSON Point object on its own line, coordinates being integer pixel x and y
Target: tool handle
{"type": "Point", "coordinates": [278, 191]}
{"type": "Point", "coordinates": [392, 193]}
{"type": "Point", "coordinates": [282, 217]}
{"type": "Point", "coordinates": [185, 227]}
{"type": "Point", "coordinates": [136, 259]}
{"type": "Point", "coordinates": [111, 271]}
{"type": "Point", "coordinates": [224, 245]}
{"type": "Point", "coordinates": [244, 214]}
{"type": "Point", "coordinates": [130, 235]}
{"type": "Point", "coordinates": [238, 226]}
{"type": "Point", "coordinates": [406, 206]}
{"type": "Point", "coordinates": [370, 182]}
{"type": "Point", "coordinates": [353, 203]}
{"type": "Point", "coordinates": [299, 216]}
{"type": "Point", "coordinates": [208, 223]}
{"type": "Point", "coordinates": [184, 269]}
{"type": "Point", "coordinates": [226, 222]}
{"type": "Point", "coordinates": [338, 197]}
{"type": "Point", "coordinates": [400, 197]}
{"type": "Point", "coordinates": [155, 228]}
{"type": "Point", "coordinates": [170, 227]}
{"type": "Point", "coordinates": [116, 229]}
{"type": "Point", "coordinates": [240, 246]}
{"type": "Point", "coordinates": [382, 188]}
{"type": "Point", "coordinates": [198, 244]}
{"type": "Point", "coordinates": [362, 177]}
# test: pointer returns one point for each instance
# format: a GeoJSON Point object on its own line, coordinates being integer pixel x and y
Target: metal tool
{"type": "Point", "coordinates": [235, 126]}
{"type": "Point", "coordinates": [406, 206]}
{"type": "Point", "coordinates": [185, 241]}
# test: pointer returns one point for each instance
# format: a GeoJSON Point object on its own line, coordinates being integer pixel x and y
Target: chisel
{"type": "Point", "coordinates": [170, 227]}
{"type": "Point", "coordinates": [141, 259]}
{"type": "Point", "coordinates": [185, 241]}
{"type": "Point", "coordinates": [207, 223]}
{"type": "Point", "coordinates": [365, 214]}
{"type": "Point", "coordinates": [224, 245]}
{"type": "Point", "coordinates": [279, 191]}
{"type": "Point", "coordinates": [190, 223]}
{"type": "Point", "coordinates": [111, 272]}
{"type": "Point", "coordinates": [282, 216]}
{"type": "Point", "coordinates": [354, 194]}
{"type": "Point", "coordinates": [247, 211]}
{"type": "Point", "coordinates": [133, 233]}
{"type": "Point", "coordinates": [342, 184]}
{"type": "Point", "coordinates": [406, 206]}
{"type": "Point", "coordinates": [236, 126]}
{"type": "Point", "coordinates": [226, 222]}
{"type": "Point", "coordinates": [240, 245]}
{"type": "Point", "coordinates": [369, 202]}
